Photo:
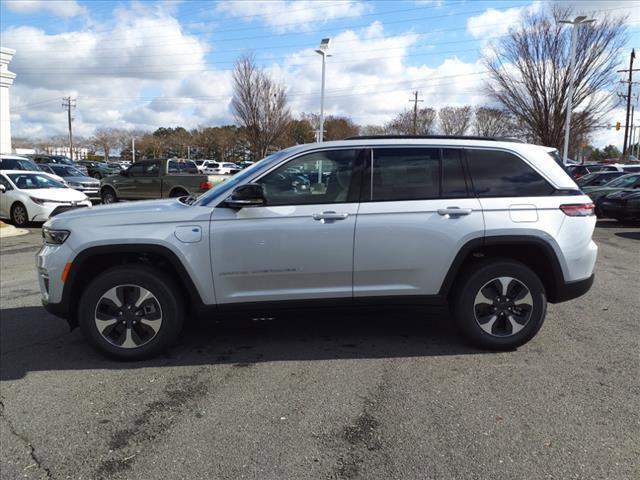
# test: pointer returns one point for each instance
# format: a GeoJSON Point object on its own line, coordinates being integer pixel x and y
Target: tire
{"type": "Point", "coordinates": [108, 195]}
{"type": "Point", "coordinates": [178, 193]}
{"type": "Point", "coordinates": [134, 333]}
{"type": "Point", "coordinates": [491, 325]}
{"type": "Point", "coordinates": [97, 176]}
{"type": "Point", "coordinates": [19, 215]}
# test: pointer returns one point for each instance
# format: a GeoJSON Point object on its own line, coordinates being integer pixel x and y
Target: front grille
{"type": "Point", "coordinates": [91, 185]}
{"type": "Point", "coordinates": [64, 208]}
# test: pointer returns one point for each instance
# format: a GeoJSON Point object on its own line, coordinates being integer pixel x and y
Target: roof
{"type": "Point", "coordinates": [13, 157]}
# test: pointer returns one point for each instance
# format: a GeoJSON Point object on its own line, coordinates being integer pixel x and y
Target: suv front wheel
{"type": "Point", "coordinates": [500, 305]}
{"type": "Point", "coordinates": [131, 312]}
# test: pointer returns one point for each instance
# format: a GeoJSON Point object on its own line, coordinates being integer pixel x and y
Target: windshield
{"type": "Point", "coordinates": [229, 165]}
{"type": "Point", "coordinates": [19, 164]}
{"type": "Point", "coordinates": [624, 181]}
{"type": "Point", "coordinates": [64, 171]}
{"type": "Point", "coordinates": [33, 181]}
{"type": "Point", "coordinates": [62, 159]}
{"type": "Point", "coordinates": [240, 177]}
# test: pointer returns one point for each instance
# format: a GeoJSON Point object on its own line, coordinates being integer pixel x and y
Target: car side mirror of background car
{"type": "Point", "coordinates": [3, 189]}
{"type": "Point", "coordinates": [248, 195]}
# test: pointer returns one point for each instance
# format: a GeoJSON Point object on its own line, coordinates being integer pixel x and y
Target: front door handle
{"type": "Point", "coordinates": [454, 211]}
{"type": "Point", "coordinates": [324, 216]}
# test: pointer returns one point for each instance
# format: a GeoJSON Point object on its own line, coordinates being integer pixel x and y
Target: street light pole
{"type": "Point", "coordinates": [322, 50]}
{"type": "Point", "coordinates": [574, 37]}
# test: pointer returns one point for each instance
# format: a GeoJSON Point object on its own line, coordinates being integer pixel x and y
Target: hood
{"type": "Point", "coordinates": [132, 213]}
{"type": "Point", "coordinates": [83, 179]}
{"type": "Point", "coordinates": [57, 194]}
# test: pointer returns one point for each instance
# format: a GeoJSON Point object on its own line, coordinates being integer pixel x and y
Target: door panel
{"type": "Point", "coordinates": [406, 248]}
{"type": "Point", "coordinates": [283, 252]}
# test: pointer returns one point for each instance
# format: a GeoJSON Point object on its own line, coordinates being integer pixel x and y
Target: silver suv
{"type": "Point", "coordinates": [496, 229]}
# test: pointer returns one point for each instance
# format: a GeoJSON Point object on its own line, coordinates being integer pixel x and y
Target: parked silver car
{"type": "Point", "coordinates": [496, 229]}
{"type": "Point", "coordinates": [75, 179]}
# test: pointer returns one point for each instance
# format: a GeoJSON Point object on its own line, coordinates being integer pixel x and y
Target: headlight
{"type": "Point", "coordinates": [42, 201]}
{"type": "Point", "coordinates": [56, 237]}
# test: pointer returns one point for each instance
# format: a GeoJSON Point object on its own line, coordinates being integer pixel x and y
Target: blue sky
{"type": "Point", "coordinates": [146, 64]}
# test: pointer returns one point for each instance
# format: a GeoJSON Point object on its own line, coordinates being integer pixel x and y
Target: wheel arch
{"type": "Point", "coordinates": [177, 188]}
{"type": "Point", "coordinates": [94, 260]}
{"type": "Point", "coordinates": [527, 250]}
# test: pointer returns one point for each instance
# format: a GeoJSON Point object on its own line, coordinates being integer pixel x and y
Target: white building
{"type": "Point", "coordinates": [6, 80]}
{"type": "Point", "coordinates": [79, 153]}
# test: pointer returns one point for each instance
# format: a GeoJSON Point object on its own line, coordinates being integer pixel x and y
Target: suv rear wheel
{"type": "Point", "coordinates": [500, 305]}
{"type": "Point", "coordinates": [131, 313]}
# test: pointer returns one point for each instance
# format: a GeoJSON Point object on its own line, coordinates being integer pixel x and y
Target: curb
{"type": "Point", "coordinates": [11, 231]}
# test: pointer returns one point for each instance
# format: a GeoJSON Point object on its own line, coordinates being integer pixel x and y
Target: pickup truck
{"type": "Point", "coordinates": [158, 178]}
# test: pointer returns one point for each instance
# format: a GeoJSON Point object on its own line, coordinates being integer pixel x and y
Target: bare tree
{"type": "Point", "coordinates": [402, 124]}
{"type": "Point", "coordinates": [106, 139]}
{"type": "Point", "coordinates": [492, 122]}
{"type": "Point", "coordinates": [455, 120]}
{"type": "Point", "coordinates": [529, 73]}
{"type": "Point", "coordinates": [259, 105]}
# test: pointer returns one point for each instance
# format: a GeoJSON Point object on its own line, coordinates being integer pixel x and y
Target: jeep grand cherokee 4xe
{"type": "Point", "coordinates": [496, 229]}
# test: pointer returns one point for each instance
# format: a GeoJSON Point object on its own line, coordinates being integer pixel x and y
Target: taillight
{"type": "Point", "coordinates": [205, 185]}
{"type": "Point", "coordinates": [578, 209]}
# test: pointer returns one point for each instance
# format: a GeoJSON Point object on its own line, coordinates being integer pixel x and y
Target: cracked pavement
{"type": "Point", "coordinates": [392, 394]}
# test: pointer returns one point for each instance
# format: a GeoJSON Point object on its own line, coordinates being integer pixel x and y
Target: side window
{"type": "Point", "coordinates": [454, 184]}
{"type": "Point", "coordinates": [502, 174]}
{"type": "Point", "coordinates": [137, 169]}
{"type": "Point", "coordinates": [404, 174]}
{"type": "Point", "coordinates": [173, 167]}
{"type": "Point", "coordinates": [320, 177]}
{"type": "Point", "coordinates": [152, 169]}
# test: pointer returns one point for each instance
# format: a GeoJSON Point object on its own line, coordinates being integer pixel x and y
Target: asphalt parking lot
{"type": "Point", "coordinates": [393, 394]}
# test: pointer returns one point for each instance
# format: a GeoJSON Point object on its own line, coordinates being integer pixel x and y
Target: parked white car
{"type": "Point", "coordinates": [222, 168]}
{"type": "Point", "coordinates": [35, 197]}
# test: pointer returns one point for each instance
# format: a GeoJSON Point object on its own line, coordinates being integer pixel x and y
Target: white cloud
{"type": "Point", "coordinates": [114, 86]}
{"type": "Point", "coordinates": [494, 23]}
{"type": "Point", "coordinates": [289, 15]}
{"type": "Point", "coordinates": [59, 8]}
{"type": "Point", "coordinates": [371, 86]}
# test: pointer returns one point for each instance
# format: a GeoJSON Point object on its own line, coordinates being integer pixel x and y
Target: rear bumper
{"type": "Point", "coordinates": [570, 290]}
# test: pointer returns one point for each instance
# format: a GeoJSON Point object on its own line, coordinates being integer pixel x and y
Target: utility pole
{"type": "Point", "coordinates": [133, 149]}
{"type": "Point", "coordinates": [69, 103]}
{"type": "Point", "coordinates": [415, 111]}
{"type": "Point", "coordinates": [630, 81]}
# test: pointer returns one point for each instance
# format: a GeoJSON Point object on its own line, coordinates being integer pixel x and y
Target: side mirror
{"type": "Point", "coordinates": [3, 189]}
{"type": "Point", "coordinates": [249, 195]}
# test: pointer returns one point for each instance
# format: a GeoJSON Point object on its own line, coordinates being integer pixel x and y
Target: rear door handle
{"type": "Point", "coordinates": [329, 216]}
{"type": "Point", "coordinates": [454, 211]}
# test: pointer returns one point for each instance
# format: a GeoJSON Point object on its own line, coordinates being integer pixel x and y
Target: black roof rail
{"type": "Point", "coordinates": [434, 137]}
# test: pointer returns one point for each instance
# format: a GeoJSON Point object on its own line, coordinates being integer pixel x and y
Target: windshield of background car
{"type": "Point", "coordinates": [19, 164]}
{"type": "Point", "coordinates": [64, 171]}
{"type": "Point", "coordinates": [241, 177]}
{"type": "Point", "coordinates": [623, 182]}
{"type": "Point", "coordinates": [33, 181]}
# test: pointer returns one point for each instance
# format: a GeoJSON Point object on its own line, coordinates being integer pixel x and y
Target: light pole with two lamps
{"type": "Point", "coordinates": [576, 22]}
{"type": "Point", "coordinates": [324, 51]}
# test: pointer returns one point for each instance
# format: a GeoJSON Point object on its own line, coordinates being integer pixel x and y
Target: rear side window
{"type": "Point", "coordinates": [502, 174]}
{"type": "Point", "coordinates": [405, 174]}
